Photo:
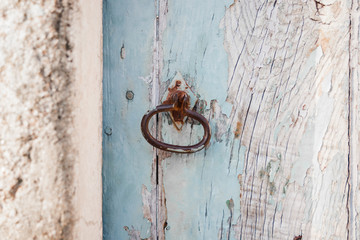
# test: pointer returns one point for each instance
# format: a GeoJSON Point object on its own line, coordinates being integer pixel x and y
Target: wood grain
{"type": "Point", "coordinates": [354, 134]}
{"type": "Point", "coordinates": [128, 185]}
{"type": "Point", "coordinates": [278, 163]}
{"type": "Point", "coordinates": [280, 83]}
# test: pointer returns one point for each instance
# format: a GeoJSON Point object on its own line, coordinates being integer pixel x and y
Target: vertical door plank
{"type": "Point", "coordinates": [127, 166]}
{"type": "Point", "coordinates": [192, 43]}
{"type": "Point", "coordinates": [354, 131]}
{"type": "Point", "coordinates": [277, 166]}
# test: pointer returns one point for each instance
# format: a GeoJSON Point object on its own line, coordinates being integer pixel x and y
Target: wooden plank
{"type": "Point", "coordinates": [277, 166]}
{"type": "Point", "coordinates": [192, 44]}
{"type": "Point", "coordinates": [128, 159]}
{"type": "Point", "coordinates": [354, 134]}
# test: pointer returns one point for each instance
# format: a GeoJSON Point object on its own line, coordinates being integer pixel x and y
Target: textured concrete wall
{"type": "Point", "coordinates": [38, 152]}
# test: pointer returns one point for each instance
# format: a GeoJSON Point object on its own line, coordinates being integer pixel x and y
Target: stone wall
{"type": "Point", "coordinates": [38, 152]}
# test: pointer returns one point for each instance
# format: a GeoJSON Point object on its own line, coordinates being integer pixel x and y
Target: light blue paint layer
{"type": "Point", "coordinates": [312, 139]}
{"type": "Point", "coordinates": [193, 45]}
{"type": "Point", "coordinates": [311, 62]}
{"type": "Point", "coordinates": [127, 157]}
{"type": "Point", "coordinates": [226, 108]}
{"type": "Point", "coordinates": [198, 185]}
{"type": "Point", "coordinates": [197, 188]}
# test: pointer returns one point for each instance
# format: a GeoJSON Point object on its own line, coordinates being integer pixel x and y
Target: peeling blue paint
{"type": "Point", "coordinates": [193, 45]}
{"type": "Point", "coordinates": [127, 156]}
{"type": "Point", "coordinates": [283, 126]}
{"type": "Point", "coordinates": [226, 108]}
{"type": "Point", "coordinates": [196, 190]}
{"type": "Point", "coordinates": [274, 167]}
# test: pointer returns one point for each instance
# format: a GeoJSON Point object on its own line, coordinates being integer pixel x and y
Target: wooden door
{"type": "Point", "coordinates": [273, 78]}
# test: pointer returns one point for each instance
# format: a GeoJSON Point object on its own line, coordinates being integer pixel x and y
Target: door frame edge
{"type": "Point", "coordinates": [86, 32]}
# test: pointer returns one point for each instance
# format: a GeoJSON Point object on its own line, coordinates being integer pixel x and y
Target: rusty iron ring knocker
{"type": "Point", "coordinates": [178, 105]}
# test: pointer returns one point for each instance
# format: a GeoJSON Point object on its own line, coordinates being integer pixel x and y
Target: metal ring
{"type": "Point", "coordinates": [170, 147]}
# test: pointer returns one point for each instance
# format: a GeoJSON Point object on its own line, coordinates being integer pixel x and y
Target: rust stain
{"type": "Point", "coordinates": [181, 101]}
{"type": "Point", "coordinates": [272, 188]}
{"type": "Point", "coordinates": [233, 4]}
{"type": "Point", "coordinates": [336, 9]}
{"type": "Point", "coordinates": [323, 40]}
{"type": "Point", "coordinates": [294, 120]}
{"type": "Point", "coordinates": [240, 179]}
{"type": "Point", "coordinates": [241, 185]}
{"type": "Point", "coordinates": [15, 187]}
{"type": "Point", "coordinates": [238, 128]}
{"type": "Point", "coordinates": [298, 237]}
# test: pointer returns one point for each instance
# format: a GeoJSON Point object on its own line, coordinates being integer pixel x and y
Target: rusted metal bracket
{"type": "Point", "coordinates": [179, 84]}
{"type": "Point", "coordinates": [178, 104]}
{"type": "Point", "coordinates": [181, 100]}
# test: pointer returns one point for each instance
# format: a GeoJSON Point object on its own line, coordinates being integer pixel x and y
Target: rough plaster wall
{"type": "Point", "coordinates": [36, 154]}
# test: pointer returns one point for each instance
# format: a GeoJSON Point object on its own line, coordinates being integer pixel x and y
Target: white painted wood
{"type": "Point", "coordinates": [297, 117]}
{"type": "Point", "coordinates": [277, 167]}
{"type": "Point", "coordinates": [354, 154]}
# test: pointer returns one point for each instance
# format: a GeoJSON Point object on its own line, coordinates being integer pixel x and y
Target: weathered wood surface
{"type": "Point", "coordinates": [275, 76]}
{"type": "Point", "coordinates": [127, 165]}
{"type": "Point", "coordinates": [354, 130]}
